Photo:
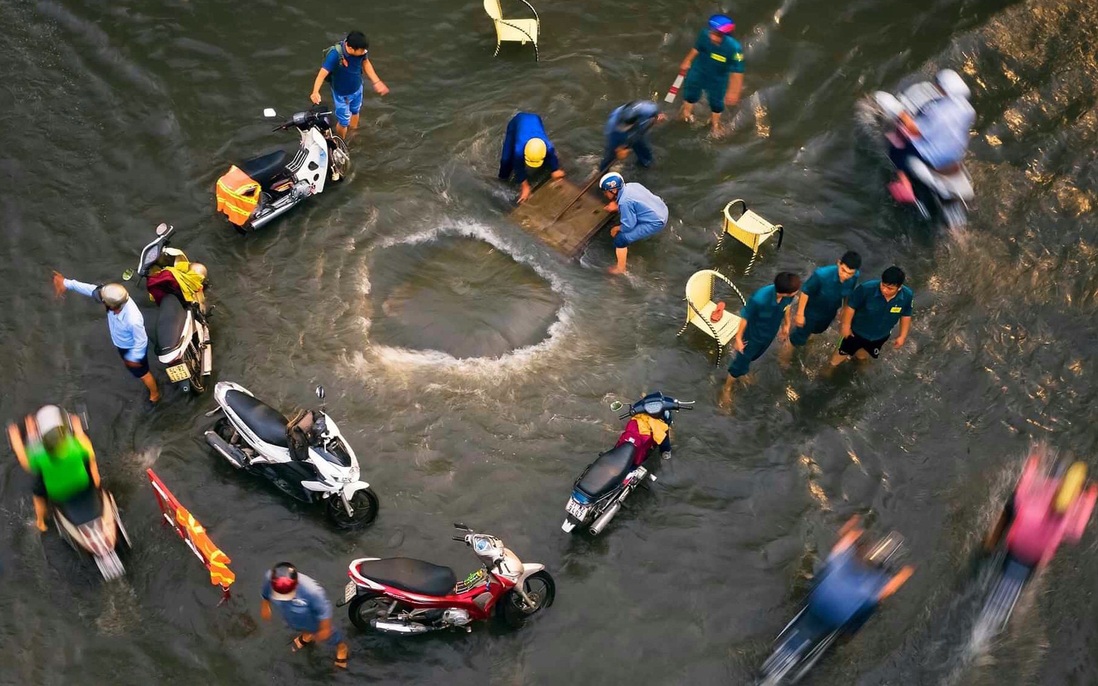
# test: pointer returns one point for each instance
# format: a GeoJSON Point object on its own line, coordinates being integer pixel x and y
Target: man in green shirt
{"type": "Point", "coordinates": [58, 454]}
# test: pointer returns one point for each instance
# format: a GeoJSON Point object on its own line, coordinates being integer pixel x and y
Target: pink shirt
{"type": "Point", "coordinates": [1037, 531]}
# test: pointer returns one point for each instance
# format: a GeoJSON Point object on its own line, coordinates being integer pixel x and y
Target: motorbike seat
{"type": "Point", "coordinates": [264, 168]}
{"type": "Point", "coordinates": [957, 184]}
{"type": "Point", "coordinates": [266, 422]}
{"type": "Point", "coordinates": [607, 472]}
{"type": "Point", "coordinates": [411, 575]}
{"type": "Point", "coordinates": [83, 507]}
{"type": "Point", "coordinates": [170, 324]}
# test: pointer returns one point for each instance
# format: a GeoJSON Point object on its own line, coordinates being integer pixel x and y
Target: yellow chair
{"type": "Point", "coordinates": [748, 228]}
{"type": "Point", "coordinates": [516, 30]}
{"type": "Point", "coordinates": [700, 306]}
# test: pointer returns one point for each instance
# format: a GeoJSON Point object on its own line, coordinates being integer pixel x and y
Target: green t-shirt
{"type": "Point", "coordinates": [64, 473]}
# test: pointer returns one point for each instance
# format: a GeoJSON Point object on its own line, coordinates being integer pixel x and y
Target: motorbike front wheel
{"type": "Point", "coordinates": [540, 588]}
{"type": "Point", "coordinates": [364, 503]}
{"type": "Point", "coordinates": [340, 158]}
{"type": "Point", "coordinates": [367, 606]}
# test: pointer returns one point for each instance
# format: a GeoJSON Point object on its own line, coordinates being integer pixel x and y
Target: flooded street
{"type": "Point", "coordinates": [471, 368]}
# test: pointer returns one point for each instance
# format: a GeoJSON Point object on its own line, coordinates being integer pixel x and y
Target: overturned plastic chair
{"type": "Point", "coordinates": [514, 30]}
{"type": "Point", "coordinates": [700, 308]}
{"type": "Point", "coordinates": [748, 228]}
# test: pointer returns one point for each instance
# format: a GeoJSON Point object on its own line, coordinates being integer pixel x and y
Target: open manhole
{"type": "Point", "coordinates": [460, 296]}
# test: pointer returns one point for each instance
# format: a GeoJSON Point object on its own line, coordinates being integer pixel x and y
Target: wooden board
{"type": "Point", "coordinates": [576, 227]}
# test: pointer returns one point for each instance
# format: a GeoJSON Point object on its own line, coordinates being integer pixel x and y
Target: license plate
{"type": "Point", "coordinates": [349, 592]}
{"type": "Point", "coordinates": [178, 372]}
{"type": "Point", "coordinates": [576, 510]}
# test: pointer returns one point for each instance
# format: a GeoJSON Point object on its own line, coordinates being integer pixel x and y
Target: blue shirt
{"type": "Point", "coordinates": [304, 611]}
{"type": "Point", "coordinates": [716, 62]}
{"type": "Point", "coordinates": [522, 127]}
{"type": "Point", "coordinates": [345, 80]}
{"type": "Point", "coordinates": [826, 293]}
{"type": "Point", "coordinates": [764, 313]}
{"type": "Point", "coordinates": [643, 213]}
{"type": "Point", "coordinates": [645, 108]}
{"type": "Point", "coordinates": [874, 316]}
{"type": "Point", "coordinates": [943, 131]}
{"type": "Point", "coordinates": [127, 327]}
{"type": "Point", "coordinates": [846, 587]}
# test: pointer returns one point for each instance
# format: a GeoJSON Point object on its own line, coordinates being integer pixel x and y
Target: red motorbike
{"type": "Point", "coordinates": [400, 595]}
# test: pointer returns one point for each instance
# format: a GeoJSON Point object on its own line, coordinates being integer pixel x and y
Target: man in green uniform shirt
{"type": "Point", "coordinates": [714, 65]}
{"type": "Point", "coordinates": [870, 314]}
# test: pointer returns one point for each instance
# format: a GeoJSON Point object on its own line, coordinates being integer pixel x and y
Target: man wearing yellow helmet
{"type": "Point", "coordinates": [1043, 512]}
{"type": "Point", "coordinates": [526, 140]}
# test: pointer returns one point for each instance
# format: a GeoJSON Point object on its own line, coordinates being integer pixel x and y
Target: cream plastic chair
{"type": "Point", "coordinates": [700, 306]}
{"type": "Point", "coordinates": [516, 30]}
{"type": "Point", "coordinates": [748, 228]}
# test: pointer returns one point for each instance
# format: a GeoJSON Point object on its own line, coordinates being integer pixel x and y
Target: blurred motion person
{"type": "Point", "coordinates": [825, 292]}
{"type": "Point", "coordinates": [304, 607]}
{"type": "Point", "coordinates": [641, 213]}
{"type": "Point", "coordinates": [526, 147]}
{"type": "Point", "coordinates": [767, 314]}
{"type": "Point", "coordinates": [627, 129]}
{"type": "Point", "coordinates": [58, 455]}
{"type": "Point", "coordinates": [713, 66]}
{"type": "Point", "coordinates": [869, 315]}
{"type": "Point", "coordinates": [344, 64]}
{"type": "Point", "coordinates": [126, 324]}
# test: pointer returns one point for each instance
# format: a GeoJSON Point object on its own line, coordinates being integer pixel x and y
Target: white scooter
{"type": "Point", "coordinates": [306, 457]}
{"type": "Point", "coordinates": [285, 181]}
{"type": "Point", "coordinates": [944, 194]}
{"type": "Point", "coordinates": [182, 334]}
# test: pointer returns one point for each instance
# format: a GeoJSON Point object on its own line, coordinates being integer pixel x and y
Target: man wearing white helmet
{"type": "Point", "coordinates": [938, 133]}
{"type": "Point", "coordinates": [126, 324]}
{"type": "Point", "coordinates": [642, 214]}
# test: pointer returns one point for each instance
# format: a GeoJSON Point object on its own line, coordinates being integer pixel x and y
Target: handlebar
{"type": "Point", "coordinates": [459, 539]}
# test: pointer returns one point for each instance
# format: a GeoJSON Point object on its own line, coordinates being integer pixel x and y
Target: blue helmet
{"type": "Point", "coordinates": [721, 24]}
{"type": "Point", "coordinates": [611, 182]}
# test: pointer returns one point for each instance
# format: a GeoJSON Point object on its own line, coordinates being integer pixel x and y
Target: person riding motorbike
{"type": "Point", "coordinates": [935, 130]}
{"type": "Point", "coordinates": [59, 455]}
{"type": "Point", "coordinates": [850, 586]}
{"type": "Point", "coordinates": [1043, 512]}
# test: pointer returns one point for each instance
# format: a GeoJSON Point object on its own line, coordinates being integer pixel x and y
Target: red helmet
{"type": "Point", "coordinates": [283, 581]}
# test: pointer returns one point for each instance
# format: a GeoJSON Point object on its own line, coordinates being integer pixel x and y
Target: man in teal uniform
{"type": "Point", "coordinates": [766, 314]}
{"type": "Point", "coordinates": [822, 296]}
{"type": "Point", "coordinates": [715, 66]}
{"type": "Point", "coordinates": [871, 313]}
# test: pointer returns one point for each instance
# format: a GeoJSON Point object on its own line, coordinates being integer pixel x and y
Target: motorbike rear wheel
{"type": "Point", "coordinates": [367, 606]}
{"type": "Point", "coordinates": [540, 588]}
{"type": "Point", "coordinates": [364, 503]}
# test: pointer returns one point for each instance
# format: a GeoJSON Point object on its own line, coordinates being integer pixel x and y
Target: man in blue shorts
{"type": "Point", "coordinates": [641, 212]}
{"type": "Point", "coordinates": [822, 296]}
{"type": "Point", "coordinates": [345, 63]}
{"type": "Point", "coordinates": [870, 314]}
{"type": "Point", "coordinates": [304, 607]}
{"type": "Point", "coordinates": [715, 66]}
{"type": "Point", "coordinates": [766, 315]}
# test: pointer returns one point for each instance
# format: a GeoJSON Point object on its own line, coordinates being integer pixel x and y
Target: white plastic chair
{"type": "Point", "coordinates": [700, 307]}
{"type": "Point", "coordinates": [515, 30]}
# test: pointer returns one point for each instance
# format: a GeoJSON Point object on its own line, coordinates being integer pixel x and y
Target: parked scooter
{"type": "Point", "coordinates": [803, 641]}
{"type": "Point", "coordinates": [182, 334]}
{"type": "Point", "coordinates": [306, 457]}
{"type": "Point", "coordinates": [403, 596]}
{"type": "Point", "coordinates": [935, 193]}
{"type": "Point", "coordinates": [260, 189]}
{"type": "Point", "coordinates": [599, 492]}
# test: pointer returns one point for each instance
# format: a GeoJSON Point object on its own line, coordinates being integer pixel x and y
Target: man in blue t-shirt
{"type": "Point", "coordinates": [304, 607]}
{"type": "Point", "coordinates": [767, 314]}
{"type": "Point", "coordinates": [641, 214]}
{"type": "Point", "coordinates": [870, 314]}
{"type": "Point", "coordinates": [526, 149]}
{"type": "Point", "coordinates": [822, 296]}
{"type": "Point", "coordinates": [627, 129]}
{"type": "Point", "coordinates": [714, 65]}
{"type": "Point", "coordinates": [345, 63]}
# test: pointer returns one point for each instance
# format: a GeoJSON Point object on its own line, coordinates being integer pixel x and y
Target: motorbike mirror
{"type": "Point", "coordinates": [459, 525]}
{"type": "Point", "coordinates": [127, 275]}
{"type": "Point", "coordinates": [616, 405]}
{"type": "Point", "coordinates": [320, 393]}
{"type": "Point", "coordinates": [162, 229]}
{"type": "Point", "coordinates": [269, 112]}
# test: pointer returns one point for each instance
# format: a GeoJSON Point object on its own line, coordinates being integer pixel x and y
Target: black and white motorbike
{"type": "Point", "coordinates": [945, 195]}
{"type": "Point", "coordinates": [182, 333]}
{"type": "Point", "coordinates": [286, 179]}
{"type": "Point", "coordinates": [306, 457]}
{"type": "Point", "coordinates": [600, 491]}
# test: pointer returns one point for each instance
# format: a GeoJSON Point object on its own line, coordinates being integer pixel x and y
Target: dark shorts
{"type": "Point", "coordinates": [39, 486]}
{"type": "Point", "coordinates": [137, 372]}
{"type": "Point", "coordinates": [853, 343]}
{"type": "Point", "coordinates": [714, 92]}
{"type": "Point", "coordinates": [619, 241]}
{"type": "Point", "coordinates": [799, 335]}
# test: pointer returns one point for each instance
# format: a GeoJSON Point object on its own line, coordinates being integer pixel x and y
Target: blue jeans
{"type": "Point", "coordinates": [346, 106]}
{"type": "Point", "coordinates": [638, 145]}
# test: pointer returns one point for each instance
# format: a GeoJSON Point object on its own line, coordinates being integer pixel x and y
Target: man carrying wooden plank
{"type": "Point", "coordinates": [527, 147]}
{"type": "Point", "coordinates": [642, 214]}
